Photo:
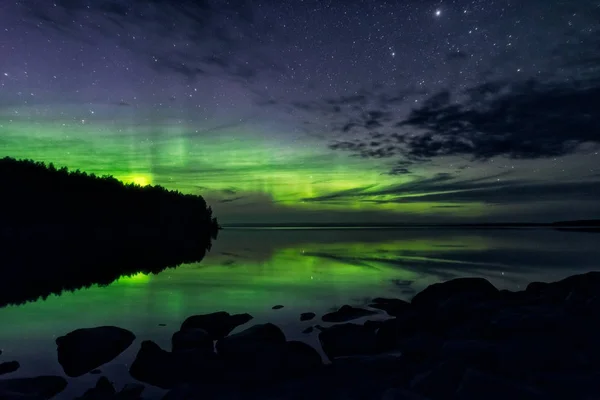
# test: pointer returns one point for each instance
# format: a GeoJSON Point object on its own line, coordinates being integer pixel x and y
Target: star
{"type": "Point", "coordinates": [438, 12]}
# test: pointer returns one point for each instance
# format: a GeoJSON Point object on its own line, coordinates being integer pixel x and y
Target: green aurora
{"type": "Point", "coordinates": [239, 174]}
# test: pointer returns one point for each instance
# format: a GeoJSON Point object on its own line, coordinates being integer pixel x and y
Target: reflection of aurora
{"type": "Point", "coordinates": [232, 169]}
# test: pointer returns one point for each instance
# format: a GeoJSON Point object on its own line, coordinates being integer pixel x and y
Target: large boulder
{"type": "Point", "coordinates": [390, 332]}
{"type": "Point", "coordinates": [8, 367]}
{"type": "Point", "coordinates": [477, 385]}
{"type": "Point", "coordinates": [440, 381]}
{"type": "Point", "coordinates": [192, 339]}
{"type": "Point", "coordinates": [468, 289]}
{"type": "Point", "coordinates": [83, 350]}
{"type": "Point", "coordinates": [347, 340]}
{"type": "Point", "coordinates": [41, 387]}
{"type": "Point", "coordinates": [164, 369]}
{"type": "Point", "coordinates": [401, 394]}
{"type": "Point", "coordinates": [346, 313]}
{"type": "Point", "coordinates": [301, 359]}
{"type": "Point", "coordinates": [257, 354]}
{"type": "Point", "coordinates": [393, 307]}
{"type": "Point", "coordinates": [217, 325]}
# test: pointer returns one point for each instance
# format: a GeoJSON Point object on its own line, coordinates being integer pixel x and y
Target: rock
{"type": "Point", "coordinates": [164, 369]}
{"type": "Point", "coordinates": [217, 325]}
{"type": "Point", "coordinates": [131, 391]}
{"type": "Point", "coordinates": [308, 330]}
{"type": "Point", "coordinates": [391, 331]}
{"type": "Point", "coordinates": [419, 348]}
{"type": "Point", "coordinates": [520, 357]}
{"type": "Point", "coordinates": [467, 288]}
{"type": "Point", "coordinates": [480, 354]}
{"type": "Point", "coordinates": [440, 381]}
{"type": "Point", "coordinates": [103, 390]}
{"type": "Point", "coordinates": [480, 385]}
{"type": "Point", "coordinates": [568, 385]}
{"type": "Point", "coordinates": [401, 394]}
{"type": "Point", "coordinates": [206, 392]}
{"type": "Point", "coordinates": [255, 355]}
{"type": "Point", "coordinates": [192, 339]}
{"type": "Point", "coordinates": [373, 325]}
{"type": "Point", "coordinates": [346, 340]}
{"type": "Point", "coordinates": [8, 367]}
{"type": "Point", "coordinates": [301, 359]}
{"type": "Point", "coordinates": [41, 387]}
{"type": "Point", "coordinates": [277, 307]}
{"type": "Point", "coordinates": [95, 372]}
{"type": "Point", "coordinates": [155, 366]}
{"type": "Point", "coordinates": [250, 340]}
{"type": "Point", "coordinates": [393, 307]}
{"type": "Point", "coordinates": [346, 313]}
{"type": "Point", "coordinates": [307, 316]}
{"type": "Point", "coordinates": [83, 350]}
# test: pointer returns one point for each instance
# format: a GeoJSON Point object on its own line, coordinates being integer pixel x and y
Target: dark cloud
{"type": "Point", "coordinates": [446, 188]}
{"type": "Point", "coordinates": [525, 120]}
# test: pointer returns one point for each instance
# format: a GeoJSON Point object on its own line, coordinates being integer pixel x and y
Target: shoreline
{"type": "Point", "coordinates": [453, 340]}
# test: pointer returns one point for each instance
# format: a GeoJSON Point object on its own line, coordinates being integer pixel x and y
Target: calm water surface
{"type": "Point", "coordinates": [251, 270]}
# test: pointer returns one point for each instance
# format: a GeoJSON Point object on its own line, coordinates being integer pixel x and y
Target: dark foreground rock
{"type": "Point", "coordinates": [8, 367]}
{"type": "Point", "coordinates": [83, 350]}
{"type": "Point", "coordinates": [307, 316]}
{"type": "Point", "coordinates": [347, 340]}
{"type": "Point", "coordinates": [104, 390]}
{"type": "Point", "coordinates": [393, 307]}
{"type": "Point", "coordinates": [277, 307]}
{"type": "Point", "coordinates": [192, 339]}
{"type": "Point", "coordinates": [346, 313]}
{"type": "Point", "coordinates": [217, 325]}
{"type": "Point", "coordinates": [41, 387]}
{"type": "Point", "coordinates": [165, 369]}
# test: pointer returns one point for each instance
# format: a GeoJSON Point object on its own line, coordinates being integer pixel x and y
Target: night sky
{"type": "Point", "coordinates": [316, 111]}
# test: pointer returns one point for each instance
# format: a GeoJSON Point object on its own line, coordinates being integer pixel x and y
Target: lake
{"type": "Point", "coordinates": [251, 270]}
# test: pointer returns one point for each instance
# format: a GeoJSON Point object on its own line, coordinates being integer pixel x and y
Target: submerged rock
{"type": "Point", "coordinates": [8, 367]}
{"type": "Point", "coordinates": [217, 325]}
{"type": "Point", "coordinates": [347, 340]}
{"type": "Point", "coordinates": [83, 350]}
{"type": "Point", "coordinates": [41, 387]}
{"type": "Point", "coordinates": [346, 313]}
{"type": "Point", "coordinates": [307, 316]}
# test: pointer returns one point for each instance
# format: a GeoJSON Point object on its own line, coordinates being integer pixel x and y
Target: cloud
{"type": "Point", "coordinates": [524, 120]}
{"type": "Point", "coordinates": [446, 188]}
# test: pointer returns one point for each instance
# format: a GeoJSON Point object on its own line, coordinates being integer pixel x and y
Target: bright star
{"type": "Point", "coordinates": [438, 12]}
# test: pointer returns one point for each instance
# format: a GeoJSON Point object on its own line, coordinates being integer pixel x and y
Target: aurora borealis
{"type": "Point", "coordinates": [289, 112]}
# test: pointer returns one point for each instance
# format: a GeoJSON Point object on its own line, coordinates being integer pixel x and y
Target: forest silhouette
{"type": "Point", "coordinates": [64, 230]}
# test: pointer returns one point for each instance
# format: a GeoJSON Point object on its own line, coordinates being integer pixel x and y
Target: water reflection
{"type": "Point", "coordinates": [250, 271]}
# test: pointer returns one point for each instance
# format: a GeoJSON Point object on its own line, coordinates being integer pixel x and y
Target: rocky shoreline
{"type": "Point", "coordinates": [462, 339]}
